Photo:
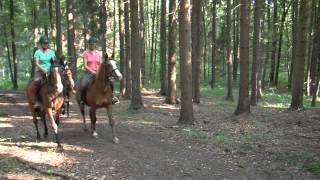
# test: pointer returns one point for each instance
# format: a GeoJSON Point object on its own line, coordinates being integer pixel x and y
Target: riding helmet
{"type": "Point", "coordinates": [44, 40]}
{"type": "Point", "coordinates": [92, 40]}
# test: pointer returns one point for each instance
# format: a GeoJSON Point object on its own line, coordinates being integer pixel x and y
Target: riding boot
{"type": "Point", "coordinates": [82, 97]}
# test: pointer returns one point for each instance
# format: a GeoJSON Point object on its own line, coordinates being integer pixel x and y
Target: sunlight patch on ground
{"type": "Point", "coordinates": [274, 105]}
{"type": "Point", "coordinates": [164, 106]}
{"type": "Point", "coordinates": [5, 125]}
{"type": "Point", "coordinates": [5, 122]}
{"type": "Point", "coordinates": [41, 153]}
{"type": "Point", "coordinates": [135, 121]}
{"type": "Point", "coordinates": [17, 175]}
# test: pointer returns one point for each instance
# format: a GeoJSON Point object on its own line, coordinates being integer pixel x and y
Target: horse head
{"type": "Point", "coordinates": [54, 78]}
{"type": "Point", "coordinates": [66, 71]}
{"type": "Point", "coordinates": [111, 67]}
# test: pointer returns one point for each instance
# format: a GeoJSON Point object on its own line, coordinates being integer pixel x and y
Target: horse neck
{"type": "Point", "coordinates": [101, 81]}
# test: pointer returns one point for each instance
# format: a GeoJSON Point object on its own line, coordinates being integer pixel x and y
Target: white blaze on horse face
{"type": "Point", "coordinates": [114, 66]}
{"type": "Point", "coordinates": [59, 84]}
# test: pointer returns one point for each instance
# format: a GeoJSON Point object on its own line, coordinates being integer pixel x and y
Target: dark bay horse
{"type": "Point", "coordinates": [51, 93]}
{"type": "Point", "coordinates": [99, 94]}
{"type": "Point", "coordinates": [68, 84]}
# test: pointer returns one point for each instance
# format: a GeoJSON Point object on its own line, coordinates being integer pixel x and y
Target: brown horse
{"type": "Point", "coordinates": [51, 98]}
{"type": "Point", "coordinates": [68, 84]}
{"type": "Point", "coordinates": [99, 94]}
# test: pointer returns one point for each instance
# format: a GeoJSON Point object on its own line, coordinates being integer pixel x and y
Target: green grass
{"type": "Point", "coordinates": [313, 166]}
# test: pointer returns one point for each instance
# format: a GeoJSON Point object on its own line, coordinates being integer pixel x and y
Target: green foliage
{"type": "Point", "coordinates": [313, 166]}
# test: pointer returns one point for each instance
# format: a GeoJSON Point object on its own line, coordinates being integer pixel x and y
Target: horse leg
{"type": "Point", "coordinates": [57, 119]}
{"type": "Point", "coordinates": [68, 104]}
{"type": "Point", "coordinates": [81, 106]}
{"type": "Point", "coordinates": [35, 121]}
{"type": "Point", "coordinates": [54, 127]}
{"type": "Point", "coordinates": [112, 124]}
{"type": "Point", "coordinates": [43, 118]}
{"type": "Point", "coordinates": [93, 118]}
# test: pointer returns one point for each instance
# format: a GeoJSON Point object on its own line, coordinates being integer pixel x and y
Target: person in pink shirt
{"type": "Point", "coordinates": [91, 60]}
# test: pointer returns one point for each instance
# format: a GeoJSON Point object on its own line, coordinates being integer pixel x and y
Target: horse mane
{"type": "Point", "coordinates": [101, 79]}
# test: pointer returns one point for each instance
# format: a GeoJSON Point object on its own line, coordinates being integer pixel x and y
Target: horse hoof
{"type": "Point", "coordinates": [45, 135]}
{"type": "Point", "coordinates": [85, 129]}
{"type": "Point", "coordinates": [116, 140]}
{"type": "Point", "coordinates": [95, 134]}
{"type": "Point", "coordinates": [59, 147]}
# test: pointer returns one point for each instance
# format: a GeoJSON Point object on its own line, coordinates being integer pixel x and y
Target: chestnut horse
{"type": "Point", "coordinates": [99, 94]}
{"type": "Point", "coordinates": [51, 93]}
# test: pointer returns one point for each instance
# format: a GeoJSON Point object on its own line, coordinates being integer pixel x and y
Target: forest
{"type": "Point", "coordinates": [237, 80]}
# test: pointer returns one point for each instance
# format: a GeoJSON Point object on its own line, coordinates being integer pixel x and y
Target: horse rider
{"type": "Point", "coordinates": [92, 59]}
{"type": "Point", "coordinates": [42, 63]}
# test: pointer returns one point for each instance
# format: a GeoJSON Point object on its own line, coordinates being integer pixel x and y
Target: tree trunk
{"type": "Point", "coordinates": [255, 52]}
{"type": "Point", "coordinates": [244, 101]}
{"type": "Point", "coordinates": [152, 50]}
{"type": "Point", "coordinates": [103, 26]}
{"type": "Point", "coordinates": [51, 20]}
{"type": "Point", "coordinates": [35, 36]}
{"type": "Point", "coordinates": [6, 41]}
{"type": "Point", "coordinates": [316, 86]}
{"type": "Point", "coordinates": [196, 48]}
{"type": "Point", "coordinates": [155, 44]}
{"type": "Point", "coordinates": [122, 47]}
{"type": "Point", "coordinates": [313, 61]}
{"type": "Point", "coordinates": [71, 38]}
{"type": "Point", "coordinates": [267, 53]}
{"type": "Point", "coordinates": [213, 48]}
{"type": "Point", "coordinates": [163, 49]}
{"type": "Point", "coordinates": [235, 40]}
{"type": "Point", "coordinates": [262, 50]}
{"type": "Point", "coordinates": [298, 67]}
{"type": "Point", "coordinates": [172, 37]}
{"type": "Point", "coordinates": [136, 102]}
{"type": "Point", "coordinates": [114, 26]}
{"type": "Point", "coordinates": [229, 55]}
{"type": "Point", "coordinates": [294, 17]}
{"type": "Point", "coordinates": [142, 26]}
{"type": "Point", "coordinates": [283, 18]}
{"type": "Point", "coordinates": [128, 92]}
{"type": "Point", "coordinates": [8, 55]}
{"type": "Point", "coordinates": [13, 46]}
{"type": "Point", "coordinates": [309, 48]}
{"type": "Point", "coordinates": [58, 27]}
{"type": "Point", "coordinates": [186, 111]}
{"type": "Point", "coordinates": [274, 42]}
{"type": "Point", "coordinates": [316, 57]}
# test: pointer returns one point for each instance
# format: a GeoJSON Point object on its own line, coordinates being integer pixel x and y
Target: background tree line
{"type": "Point", "coordinates": [239, 44]}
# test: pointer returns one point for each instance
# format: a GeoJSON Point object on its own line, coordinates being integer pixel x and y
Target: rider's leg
{"type": "Point", "coordinates": [84, 83]}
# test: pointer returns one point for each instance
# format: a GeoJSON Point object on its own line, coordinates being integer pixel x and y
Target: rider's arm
{"type": "Point", "coordinates": [37, 65]}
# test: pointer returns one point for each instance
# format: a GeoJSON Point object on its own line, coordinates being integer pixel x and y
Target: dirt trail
{"type": "Point", "coordinates": [147, 150]}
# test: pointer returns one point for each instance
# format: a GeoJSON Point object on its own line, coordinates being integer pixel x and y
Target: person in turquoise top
{"type": "Point", "coordinates": [42, 63]}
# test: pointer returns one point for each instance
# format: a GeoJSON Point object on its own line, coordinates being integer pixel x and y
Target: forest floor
{"type": "Point", "coordinates": [269, 143]}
